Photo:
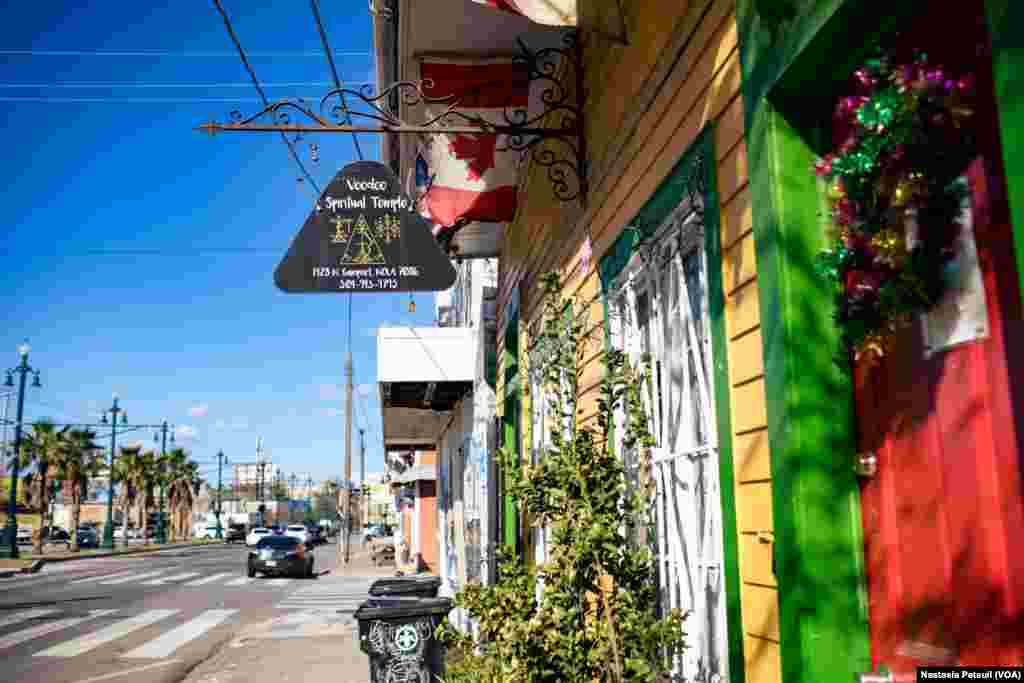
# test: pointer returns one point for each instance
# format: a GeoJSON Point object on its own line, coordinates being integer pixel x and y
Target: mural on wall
{"type": "Point", "coordinates": [474, 497]}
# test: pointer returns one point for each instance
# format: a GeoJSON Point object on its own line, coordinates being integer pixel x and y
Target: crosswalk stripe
{"type": "Point", "coordinates": [208, 579]}
{"type": "Point", "coordinates": [73, 648]}
{"type": "Point", "coordinates": [132, 577]}
{"type": "Point", "coordinates": [178, 577]}
{"type": "Point", "coordinates": [239, 582]}
{"type": "Point", "coordinates": [100, 577]}
{"type": "Point", "coordinates": [166, 644]}
{"type": "Point", "coordinates": [50, 627]}
{"type": "Point", "coordinates": [25, 616]}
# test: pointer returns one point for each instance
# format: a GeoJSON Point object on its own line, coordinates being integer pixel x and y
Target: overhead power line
{"type": "Point", "coordinates": [162, 86]}
{"type": "Point", "coordinates": [126, 100]}
{"type": "Point", "coordinates": [263, 96]}
{"type": "Point", "coordinates": [334, 71]}
{"type": "Point", "coordinates": [202, 54]}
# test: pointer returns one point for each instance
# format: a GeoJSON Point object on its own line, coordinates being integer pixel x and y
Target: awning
{"type": "Point", "coordinates": [423, 372]}
{"type": "Point", "coordinates": [414, 474]}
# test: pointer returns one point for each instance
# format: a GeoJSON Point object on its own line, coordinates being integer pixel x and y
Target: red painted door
{"type": "Point", "coordinates": [943, 516]}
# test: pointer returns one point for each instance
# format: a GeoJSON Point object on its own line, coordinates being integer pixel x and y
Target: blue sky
{"type": "Point", "coordinates": [202, 339]}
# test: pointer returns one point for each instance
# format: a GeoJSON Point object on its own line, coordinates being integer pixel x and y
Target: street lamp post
{"type": "Point", "coordinates": [108, 530]}
{"type": "Point", "coordinates": [220, 492]}
{"type": "Point", "coordinates": [23, 369]}
{"type": "Point", "coordinates": [161, 528]}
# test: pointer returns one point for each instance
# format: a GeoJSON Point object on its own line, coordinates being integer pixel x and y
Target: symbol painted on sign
{"type": "Point", "coordinates": [406, 637]}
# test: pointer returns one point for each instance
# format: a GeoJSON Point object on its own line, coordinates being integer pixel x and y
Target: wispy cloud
{"type": "Point", "coordinates": [187, 432]}
{"type": "Point", "coordinates": [333, 412]}
{"type": "Point", "coordinates": [365, 389]}
{"type": "Point", "coordinates": [199, 410]}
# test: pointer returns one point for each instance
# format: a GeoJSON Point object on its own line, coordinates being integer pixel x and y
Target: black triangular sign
{"type": "Point", "coordinates": [364, 235]}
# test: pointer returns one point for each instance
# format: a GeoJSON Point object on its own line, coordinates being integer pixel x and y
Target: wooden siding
{"type": "Point", "coordinates": [647, 103]}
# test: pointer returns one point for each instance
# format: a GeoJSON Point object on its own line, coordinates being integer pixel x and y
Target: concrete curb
{"type": "Point", "coordinates": [38, 564]}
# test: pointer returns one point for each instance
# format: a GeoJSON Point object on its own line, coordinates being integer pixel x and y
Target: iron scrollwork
{"type": "Point", "coordinates": [553, 137]}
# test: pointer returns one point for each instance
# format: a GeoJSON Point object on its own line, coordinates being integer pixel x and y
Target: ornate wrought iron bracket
{"type": "Point", "coordinates": [553, 137]}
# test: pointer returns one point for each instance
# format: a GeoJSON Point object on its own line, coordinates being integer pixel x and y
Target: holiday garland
{"type": "Point", "coordinates": [906, 147]}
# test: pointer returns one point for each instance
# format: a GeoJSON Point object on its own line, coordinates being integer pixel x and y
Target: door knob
{"type": "Point", "coordinates": [866, 464]}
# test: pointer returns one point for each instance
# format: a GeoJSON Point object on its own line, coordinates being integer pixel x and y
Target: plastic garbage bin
{"type": "Point", "coordinates": [407, 586]}
{"type": "Point", "coordinates": [398, 635]}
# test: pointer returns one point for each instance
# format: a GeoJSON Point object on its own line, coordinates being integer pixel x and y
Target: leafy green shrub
{"type": "Point", "coordinates": [596, 617]}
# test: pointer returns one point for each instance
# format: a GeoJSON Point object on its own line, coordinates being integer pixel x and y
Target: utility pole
{"type": "Point", "coordinates": [220, 491]}
{"type": "Point", "coordinates": [24, 370]}
{"type": "Point", "coordinates": [347, 527]}
{"type": "Point", "coordinates": [259, 481]}
{"type": "Point", "coordinates": [362, 480]}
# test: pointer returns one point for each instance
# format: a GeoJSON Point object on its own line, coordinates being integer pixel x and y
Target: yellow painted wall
{"type": "Point", "coordinates": [647, 102]}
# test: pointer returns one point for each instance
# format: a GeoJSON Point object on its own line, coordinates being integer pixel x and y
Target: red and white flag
{"type": "Point", "coordinates": [549, 12]}
{"type": "Point", "coordinates": [471, 176]}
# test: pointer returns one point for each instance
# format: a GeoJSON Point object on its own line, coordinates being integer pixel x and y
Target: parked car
{"type": "Point", "coordinates": [373, 532]}
{"type": "Point", "coordinates": [298, 531]}
{"type": "Point", "coordinates": [24, 535]}
{"type": "Point", "coordinates": [119, 532]}
{"type": "Point", "coordinates": [280, 555]}
{"type": "Point", "coordinates": [87, 537]}
{"type": "Point", "coordinates": [256, 535]}
{"type": "Point", "coordinates": [54, 534]}
{"type": "Point", "coordinates": [235, 532]}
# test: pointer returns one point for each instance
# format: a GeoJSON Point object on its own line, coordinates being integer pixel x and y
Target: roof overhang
{"type": "Point", "coordinates": [422, 373]}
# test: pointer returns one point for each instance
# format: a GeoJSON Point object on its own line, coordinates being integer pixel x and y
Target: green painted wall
{"type": "Point", "coordinates": [511, 419]}
{"type": "Point", "coordinates": [1006, 24]}
{"type": "Point", "coordinates": [792, 68]}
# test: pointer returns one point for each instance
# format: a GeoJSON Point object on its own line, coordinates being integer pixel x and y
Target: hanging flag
{"type": "Point", "coordinates": [549, 12]}
{"type": "Point", "coordinates": [468, 176]}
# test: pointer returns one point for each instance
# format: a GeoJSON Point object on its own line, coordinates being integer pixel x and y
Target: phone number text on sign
{"type": "Point", "coordinates": [386, 283]}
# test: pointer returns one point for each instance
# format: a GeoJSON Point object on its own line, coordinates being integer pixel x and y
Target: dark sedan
{"type": "Point", "coordinates": [235, 532]}
{"type": "Point", "coordinates": [281, 555]}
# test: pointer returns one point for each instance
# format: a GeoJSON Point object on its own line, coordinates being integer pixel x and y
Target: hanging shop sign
{"type": "Point", "coordinates": [365, 235]}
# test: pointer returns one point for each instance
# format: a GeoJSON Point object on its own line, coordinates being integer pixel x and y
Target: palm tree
{"type": "Point", "coordinates": [183, 483]}
{"type": "Point", "coordinates": [77, 459]}
{"type": "Point", "coordinates": [145, 481]}
{"type": "Point", "coordinates": [130, 470]}
{"type": "Point", "coordinates": [39, 454]}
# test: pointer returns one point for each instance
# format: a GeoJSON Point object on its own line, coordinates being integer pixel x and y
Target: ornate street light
{"type": "Point", "coordinates": [108, 529]}
{"type": "Point", "coordinates": [23, 369]}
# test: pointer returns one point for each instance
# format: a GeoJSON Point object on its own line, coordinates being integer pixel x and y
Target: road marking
{"type": "Point", "coordinates": [25, 616]}
{"type": "Point", "coordinates": [98, 578]}
{"type": "Point", "coordinates": [132, 577]}
{"type": "Point", "coordinates": [166, 644]}
{"type": "Point", "coordinates": [45, 629]}
{"type": "Point", "coordinates": [136, 670]}
{"type": "Point", "coordinates": [73, 648]}
{"type": "Point", "coordinates": [278, 582]}
{"type": "Point", "coordinates": [208, 579]}
{"type": "Point", "coordinates": [177, 577]}
{"type": "Point", "coordinates": [239, 582]}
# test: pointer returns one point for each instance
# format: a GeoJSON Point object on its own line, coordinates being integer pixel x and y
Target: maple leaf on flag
{"type": "Point", "coordinates": [477, 151]}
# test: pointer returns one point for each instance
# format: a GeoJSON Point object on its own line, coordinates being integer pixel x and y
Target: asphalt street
{"type": "Point", "coordinates": [148, 618]}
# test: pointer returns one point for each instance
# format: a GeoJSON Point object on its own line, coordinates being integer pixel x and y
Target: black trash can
{"type": "Point", "coordinates": [398, 635]}
{"type": "Point", "coordinates": [406, 586]}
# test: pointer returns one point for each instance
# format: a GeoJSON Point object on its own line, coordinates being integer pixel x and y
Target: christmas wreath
{"type": "Point", "coordinates": [905, 149]}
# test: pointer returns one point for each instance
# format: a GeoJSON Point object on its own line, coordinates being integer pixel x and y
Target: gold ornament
{"type": "Point", "coordinates": [890, 246]}
{"type": "Point", "coordinates": [835, 191]}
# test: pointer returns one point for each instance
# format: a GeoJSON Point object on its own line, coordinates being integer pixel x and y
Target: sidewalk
{"type": "Point", "coordinates": [298, 646]}
{"type": "Point", "coordinates": [30, 563]}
